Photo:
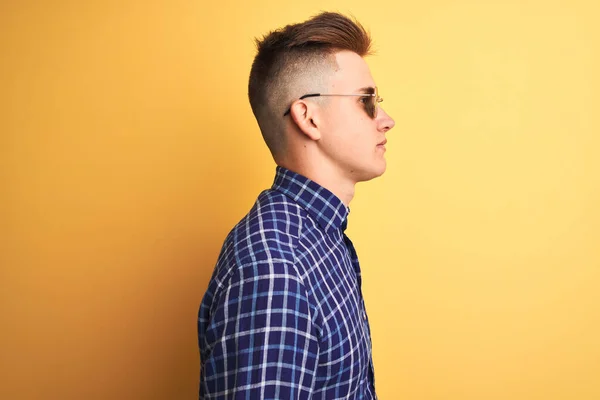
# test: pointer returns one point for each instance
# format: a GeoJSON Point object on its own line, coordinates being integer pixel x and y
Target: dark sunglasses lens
{"type": "Point", "coordinates": [370, 106]}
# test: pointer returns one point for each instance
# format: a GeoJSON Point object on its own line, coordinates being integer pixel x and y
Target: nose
{"type": "Point", "coordinates": [384, 121]}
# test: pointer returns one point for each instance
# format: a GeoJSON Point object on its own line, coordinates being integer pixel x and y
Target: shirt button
{"type": "Point", "coordinates": [365, 315]}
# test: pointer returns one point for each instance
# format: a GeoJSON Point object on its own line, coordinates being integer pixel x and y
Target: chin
{"type": "Point", "coordinates": [378, 173]}
{"type": "Point", "coordinates": [373, 173]}
{"type": "Point", "coordinates": [380, 169]}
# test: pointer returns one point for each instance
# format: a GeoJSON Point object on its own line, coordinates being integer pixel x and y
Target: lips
{"type": "Point", "coordinates": [382, 143]}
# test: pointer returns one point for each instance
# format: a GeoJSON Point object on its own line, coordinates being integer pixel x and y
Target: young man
{"type": "Point", "coordinates": [284, 316]}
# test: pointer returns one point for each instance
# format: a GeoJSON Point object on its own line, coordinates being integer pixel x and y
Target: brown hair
{"type": "Point", "coordinates": [293, 57]}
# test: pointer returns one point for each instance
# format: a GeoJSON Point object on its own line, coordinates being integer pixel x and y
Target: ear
{"type": "Point", "coordinates": [307, 118]}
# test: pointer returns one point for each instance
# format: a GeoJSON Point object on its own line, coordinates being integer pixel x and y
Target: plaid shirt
{"type": "Point", "coordinates": [284, 316]}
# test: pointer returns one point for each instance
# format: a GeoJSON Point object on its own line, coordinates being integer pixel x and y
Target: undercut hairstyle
{"type": "Point", "coordinates": [295, 60]}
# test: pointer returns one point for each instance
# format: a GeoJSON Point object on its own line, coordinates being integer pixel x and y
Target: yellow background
{"type": "Point", "coordinates": [128, 150]}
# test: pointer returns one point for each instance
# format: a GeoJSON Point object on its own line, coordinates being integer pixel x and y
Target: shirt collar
{"type": "Point", "coordinates": [325, 207]}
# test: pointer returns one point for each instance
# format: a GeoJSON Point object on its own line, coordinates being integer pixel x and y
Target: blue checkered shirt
{"type": "Point", "coordinates": [284, 316]}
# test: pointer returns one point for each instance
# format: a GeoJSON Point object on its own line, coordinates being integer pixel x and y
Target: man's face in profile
{"type": "Point", "coordinates": [350, 136]}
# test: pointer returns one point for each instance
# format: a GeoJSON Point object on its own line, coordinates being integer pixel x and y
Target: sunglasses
{"type": "Point", "coordinates": [370, 100]}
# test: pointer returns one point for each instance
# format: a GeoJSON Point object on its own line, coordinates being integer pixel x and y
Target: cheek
{"type": "Point", "coordinates": [353, 123]}
{"type": "Point", "coordinates": [346, 132]}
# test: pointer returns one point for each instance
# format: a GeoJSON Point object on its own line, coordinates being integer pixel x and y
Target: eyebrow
{"type": "Point", "coordinates": [367, 90]}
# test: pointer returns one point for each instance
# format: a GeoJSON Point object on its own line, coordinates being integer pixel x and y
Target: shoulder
{"type": "Point", "coordinates": [269, 231]}
{"type": "Point", "coordinates": [259, 256]}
